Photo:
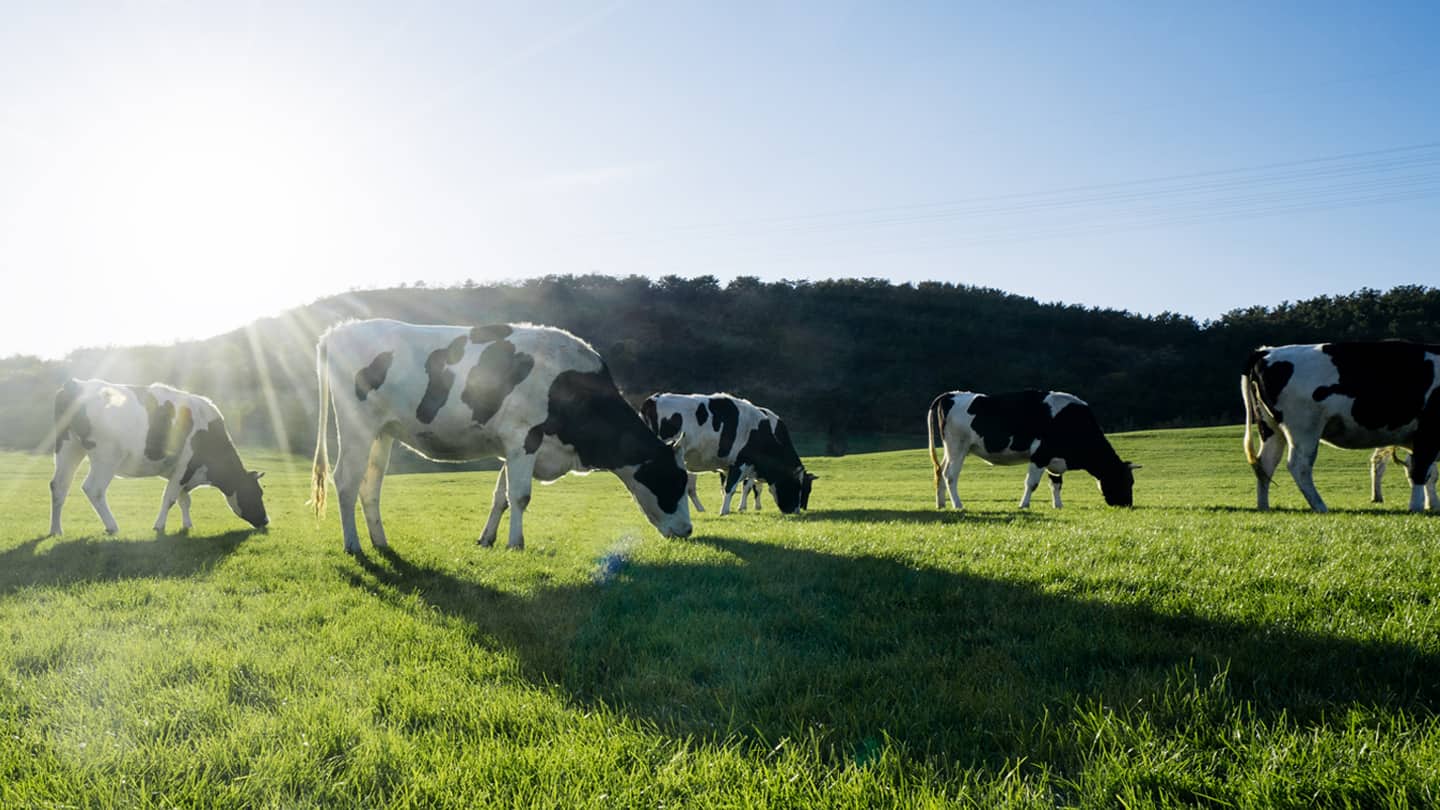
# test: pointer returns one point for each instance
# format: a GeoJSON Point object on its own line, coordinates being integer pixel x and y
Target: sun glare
{"type": "Point", "coordinates": [208, 204]}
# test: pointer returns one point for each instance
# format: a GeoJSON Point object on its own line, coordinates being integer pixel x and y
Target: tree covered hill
{"type": "Point", "coordinates": [838, 359]}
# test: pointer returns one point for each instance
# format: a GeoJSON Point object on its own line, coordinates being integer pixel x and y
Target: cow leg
{"type": "Point", "coordinates": [1056, 479]}
{"type": "Point", "coordinates": [1378, 460]}
{"type": "Point", "coordinates": [1301, 463]}
{"type": "Point", "coordinates": [184, 501]}
{"type": "Point", "coordinates": [950, 475]}
{"type": "Point", "coordinates": [1422, 472]}
{"type": "Point", "coordinates": [67, 462]}
{"type": "Point", "coordinates": [370, 488]}
{"type": "Point", "coordinates": [755, 488]}
{"type": "Point", "coordinates": [1032, 482]}
{"type": "Point", "coordinates": [732, 479]}
{"type": "Point", "coordinates": [172, 494]}
{"type": "Point", "coordinates": [350, 465]}
{"type": "Point", "coordinates": [1270, 451]}
{"type": "Point", "coordinates": [102, 472]}
{"type": "Point", "coordinates": [744, 494]}
{"type": "Point", "coordinates": [497, 508]}
{"type": "Point", "coordinates": [1432, 503]}
{"type": "Point", "coordinates": [690, 491]}
{"type": "Point", "coordinates": [519, 478]}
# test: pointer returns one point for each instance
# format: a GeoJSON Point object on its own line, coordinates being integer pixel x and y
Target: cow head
{"type": "Point", "coordinates": [247, 501]}
{"type": "Point", "coordinates": [658, 485]}
{"type": "Point", "coordinates": [1118, 484]}
{"type": "Point", "coordinates": [791, 492]}
{"type": "Point", "coordinates": [805, 486]}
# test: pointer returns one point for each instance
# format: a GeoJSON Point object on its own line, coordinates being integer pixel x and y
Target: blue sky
{"type": "Point", "coordinates": [175, 170]}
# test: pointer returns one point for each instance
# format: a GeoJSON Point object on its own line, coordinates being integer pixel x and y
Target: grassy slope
{"type": "Point", "coordinates": [874, 652]}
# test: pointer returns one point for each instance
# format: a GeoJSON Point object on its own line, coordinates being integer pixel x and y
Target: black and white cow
{"type": "Point", "coordinates": [1351, 395]}
{"type": "Point", "coordinates": [1052, 431]}
{"type": "Point", "coordinates": [735, 436]}
{"type": "Point", "coordinates": [539, 398]}
{"type": "Point", "coordinates": [1381, 459]}
{"type": "Point", "coordinates": [134, 431]}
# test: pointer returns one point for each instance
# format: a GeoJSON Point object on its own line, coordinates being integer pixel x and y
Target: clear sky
{"type": "Point", "coordinates": [173, 170]}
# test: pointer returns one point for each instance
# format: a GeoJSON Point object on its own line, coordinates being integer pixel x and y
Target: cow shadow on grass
{"type": "Point", "coordinates": [925, 515]}
{"type": "Point", "coordinates": [86, 559]}
{"type": "Point", "coordinates": [969, 671]}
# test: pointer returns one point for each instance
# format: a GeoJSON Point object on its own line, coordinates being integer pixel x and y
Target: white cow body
{"type": "Point", "coordinates": [141, 431]}
{"type": "Point", "coordinates": [1051, 431]}
{"type": "Point", "coordinates": [539, 398]}
{"type": "Point", "coordinates": [733, 436]}
{"type": "Point", "coordinates": [1350, 395]}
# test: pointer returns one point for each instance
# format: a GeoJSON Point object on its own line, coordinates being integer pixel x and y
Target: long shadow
{"type": "Point", "coordinates": [961, 669]}
{"type": "Point", "coordinates": [924, 515]}
{"type": "Point", "coordinates": [90, 560]}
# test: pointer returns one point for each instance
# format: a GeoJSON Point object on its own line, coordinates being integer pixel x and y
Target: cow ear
{"type": "Point", "coordinates": [257, 475]}
{"type": "Point", "coordinates": [1130, 465]}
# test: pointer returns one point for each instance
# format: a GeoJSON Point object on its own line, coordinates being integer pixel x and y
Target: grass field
{"type": "Point", "coordinates": [872, 653]}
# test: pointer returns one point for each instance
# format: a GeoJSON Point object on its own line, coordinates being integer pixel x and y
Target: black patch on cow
{"type": "Point", "coordinates": [157, 437]}
{"type": "Point", "coordinates": [372, 376]}
{"type": "Point", "coordinates": [497, 372]}
{"type": "Point", "coordinates": [212, 450]}
{"type": "Point", "coordinates": [1010, 421]}
{"type": "Point", "coordinates": [947, 401]}
{"type": "Point", "coordinates": [1271, 379]}
{"type": "Point", "coordinates": [1388, 381]}
{"type": "Point", "coordinates": [773, 456]}
{"type": "Point", "coordinates": [161, 440]}
{"type": "Point", "coordinates": [670, 426]}
{"type": "Point", "coordinates": [437, 391]}
{"type": "Point", "coordinates": [701, 414]}
{"type": "Point", "coordinates": [489, 332]}
{"type": "Point", "coordinates": [727, 422]}
{"type": "Point", "coordinates": [649, 414]}
{"type": "Point", "coordinates": [586, 411]}
{"type": "Point", "coordinates": [71, 421]}
{"type": "Point", "coordinates": [1075, 435]}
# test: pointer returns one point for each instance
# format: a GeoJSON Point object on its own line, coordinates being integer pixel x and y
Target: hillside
{"type": "Point", "coordinates": [844, 361]}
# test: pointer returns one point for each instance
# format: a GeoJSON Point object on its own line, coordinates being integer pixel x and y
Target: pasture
{"type": "Point", "coordinates": [871, 653]}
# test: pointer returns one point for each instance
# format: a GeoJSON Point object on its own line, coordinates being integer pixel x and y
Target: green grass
{"type": "Point", "coordinates": [872, 653]}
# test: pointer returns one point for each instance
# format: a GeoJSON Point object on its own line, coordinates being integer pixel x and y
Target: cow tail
{"type": "Point", "coordinates": [934, 423]}
{"type": "Point", "coordinates": [1251, 397]}
{"type": "Point", "coordinates": [322, 451]}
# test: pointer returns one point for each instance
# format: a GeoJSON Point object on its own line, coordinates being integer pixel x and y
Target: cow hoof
{"type": "Point", "coordinates": [354, 551]}
{"type": "Point", "coordinates": [113, 532]}
{"type": "Point", "coordinates": [520, 546]}
{"type": "Point", "coordinates": [485, 542]}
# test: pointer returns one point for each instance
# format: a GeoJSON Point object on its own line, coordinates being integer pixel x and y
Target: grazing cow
{"type": "Point", "coordinates": [1379, 460]}
{"type": "Point", "coordinates": [1351, 395]}
{"type": "Point", "coordinates": [539, 398]}
{"type": "Point", "coordinates": [732, 435]}
{"type": "Point", "coordinates": [1053, 431]}
{"type": "Point", "coordinates": [134, 431]}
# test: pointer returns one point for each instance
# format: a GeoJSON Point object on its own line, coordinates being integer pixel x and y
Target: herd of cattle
{"type": "Point", "coordinates": [543, 401]}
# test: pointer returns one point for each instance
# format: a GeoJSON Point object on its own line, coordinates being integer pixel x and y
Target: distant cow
{"type": "Point", "coordinates": [735, 436]}
{"type": "Point", "coordinates": [537, 397]}
{"type": "Point", "coordinates": [1052, 431]}
{"type": "Point", "coordinates": [134, 431]}
{"type": "Point", "coordinates": [1379, 460]}
{"type": "Point", "coordinates": [1351, 395]}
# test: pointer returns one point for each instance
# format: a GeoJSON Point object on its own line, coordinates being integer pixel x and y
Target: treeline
{"type": "Point", "coordinates": [843, 361]}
